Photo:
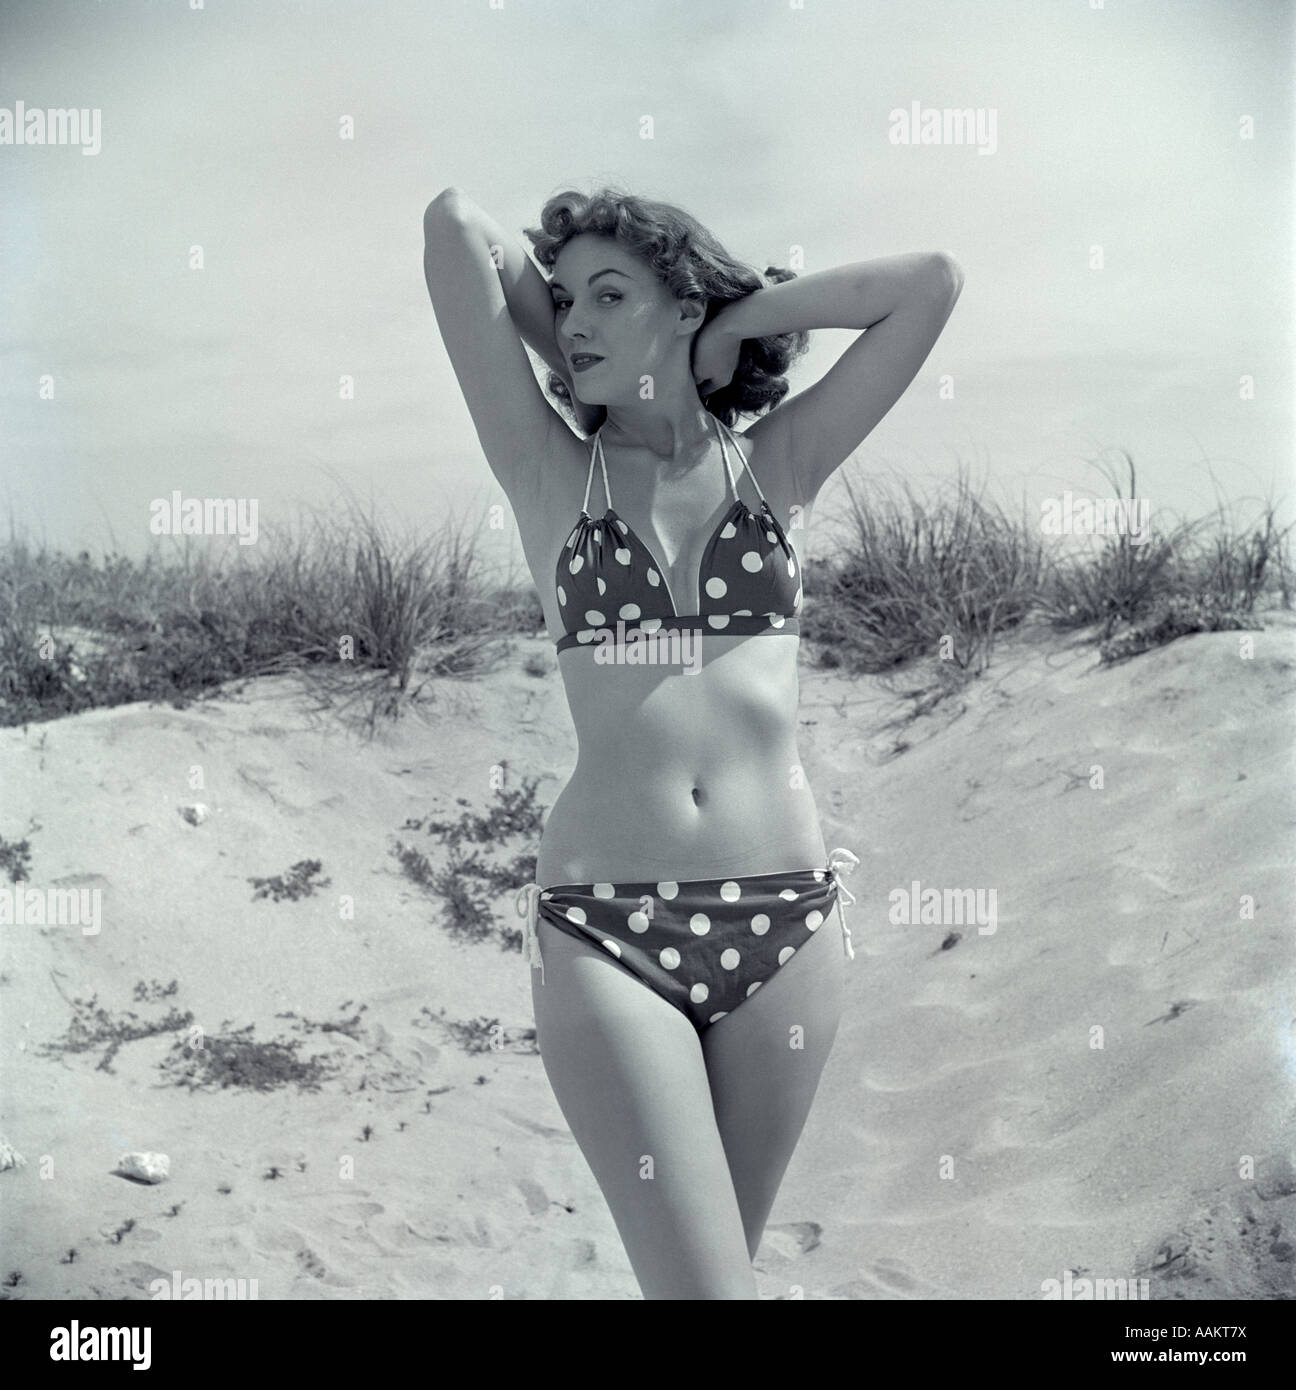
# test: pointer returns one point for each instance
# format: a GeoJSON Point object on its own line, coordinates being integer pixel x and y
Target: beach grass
{"type": "Point", "coordinates": [941, 576]}
{"type": "Point", "coordinates": [341, 594]}
{"type": "Point", "coordinates": [910, 577]}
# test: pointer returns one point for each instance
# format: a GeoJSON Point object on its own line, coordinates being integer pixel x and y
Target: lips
{"type": "Point", "coordinates": [581, 360]}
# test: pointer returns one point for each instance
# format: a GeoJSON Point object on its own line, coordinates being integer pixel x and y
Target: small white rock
{"type": "Point", "coordinates": [195, 814]}
{"type": "Point", "coordinates": [9, 1156]}
{"type": "Point", "coordinates": [145, 1167]}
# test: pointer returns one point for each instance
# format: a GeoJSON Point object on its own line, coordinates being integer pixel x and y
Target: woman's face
{"type": "Point", "coordinates": [608, 303]}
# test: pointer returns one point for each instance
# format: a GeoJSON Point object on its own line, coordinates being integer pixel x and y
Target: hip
{"type": "Point", "coordinates": [713, 925]}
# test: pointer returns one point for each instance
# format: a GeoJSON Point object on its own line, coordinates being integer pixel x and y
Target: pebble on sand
{"type": "Point", "coordinates": [144, 1167]}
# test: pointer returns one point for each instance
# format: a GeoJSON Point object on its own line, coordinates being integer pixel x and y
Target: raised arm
{"type": "Point", "coordinates": [903, 303]}
{"type": "Point", "coordinates": [488, 297]}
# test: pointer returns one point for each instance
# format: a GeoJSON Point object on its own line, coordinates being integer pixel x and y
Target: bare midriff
{"type": "Point", "coordinates": [680, 775]}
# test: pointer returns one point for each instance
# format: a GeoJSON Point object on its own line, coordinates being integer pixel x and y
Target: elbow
{"type": "Point", "coordinates": [949, 272]}
{"type": "Point", "coordinates": [446, 203]}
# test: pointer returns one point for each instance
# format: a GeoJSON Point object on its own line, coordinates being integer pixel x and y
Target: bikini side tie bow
{"type": "Point", "coordinates": [842, 861]}
{"type": "Point", "coordinates": [527, 904]}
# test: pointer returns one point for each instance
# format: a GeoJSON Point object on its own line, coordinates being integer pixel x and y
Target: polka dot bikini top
{"type": "Point", "coordinates": [749, 583]}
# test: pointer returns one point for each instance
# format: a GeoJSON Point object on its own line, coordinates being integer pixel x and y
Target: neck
{"type": "Point", "coordinates": [671, 436]}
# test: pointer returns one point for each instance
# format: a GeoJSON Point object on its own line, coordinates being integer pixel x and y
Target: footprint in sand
{"type": "Point", "coordinates": [536, 1198]}
{"type": "Point", "coordinates": [359, 1211]}
{"type": "Point", "coordinates": [896, 1278]}
{"type": "Point", "coordinates": [885, 1278]}
{"type": "Point", "coordinates": [535, 1127]}
{"type": "Point", "coordinates": [310, 1263]}
{"type": "Point", "coordinates": [140, 1275]}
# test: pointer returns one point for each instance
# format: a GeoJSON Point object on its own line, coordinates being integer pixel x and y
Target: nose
{"type": "Point", "coordinates": [570, 330]}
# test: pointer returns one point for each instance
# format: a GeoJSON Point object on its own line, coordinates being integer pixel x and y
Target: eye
{"type": "Point", "coordinates": [560, 304]}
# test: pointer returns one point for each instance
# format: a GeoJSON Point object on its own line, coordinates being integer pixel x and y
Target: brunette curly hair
{"type": "Point", "coordinates": [690, 262]}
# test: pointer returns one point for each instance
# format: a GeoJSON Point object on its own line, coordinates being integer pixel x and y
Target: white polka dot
{"type": "Point", "coordinates": [742, 613]}
{"type": "Point", "coordinates": [716, 587]}
{"type": "Point", "coordinates": [602, 587]}
{"type": "Point", "coordinates": [622, 555]}
{"type": "Point", "coordinates": [729, 532]}
{"type": "Point", "coordinates": [586, 634]}
{"type": "Point", "coordinates": [576, 562]}
{"type": "Point", "coordinates": [730, 891]}
{"type": "Point", "coordinates": [813, 919]}
{"type": "Point", "coordinates": [715, 1018]}
{"type": "Point", "coordinates": [699, 924]}
{"type": "Point", "coordinates": [751, 562]}
{"type": "Point", "coordinates": [545, 897]}
{"type": "Point", "coordinates": [638, 921]}
{"type": "Point", "coordinates": [796, 602]}
{"type": "Point", "coordinates": [669, 957]}
{"type": "Point", "coordinates": [729, 959]}
{"type": "Point", "coordinates": [624, 528]}
{"type": "Point", "coordinates": [718, 619]}
{"type": "Point", "coordinates": [653, 577]}
{"type": "Point", "coordinates": [598, 535]}
{"type": "Point", "coordinates": [786, 954]}
{"type": "Point", "coordinates": [668, 889]}
{"type": "Point", "coordinates": [791, 567]}
{"type": "Point", "coordinates": [751, 989]}
{"type": "Point", "coordinates": [562, 594]}
{"type": "Point", "coordinates": [577, 915]}
{"type": "Point", "coordinates": [650, 624]}
{"type": "Point", "coordinates": [614, 947]}
{"type": "Point", "coordinates": [604, 890]}
{"type": "Point", "coordinates": [628, 611]}
{"type": "Point", "coordinates": [776, 619]}
{"type": "Point", "coordinates": [760, 924]}
{"type": "Point", "coordinates": [592, 615]}
{"type": "Point", "coordinates": [788, 895]}
{"type": "Point", "coordinates": [818, 875]}
{"type": "Point", "coordinates": [770, 536]}
{"type": "Point", "coordinates": [699, 993]}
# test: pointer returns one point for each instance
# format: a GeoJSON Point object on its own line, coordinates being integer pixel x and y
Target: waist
{"type": "Point", "coordinates": [644, 723]}
{"type": "Point", "coordinates": [747, 817]}
{"type": "Point", "coordinates": [698, 769]}
{"type": "Point", "coordinates": [673, 633]}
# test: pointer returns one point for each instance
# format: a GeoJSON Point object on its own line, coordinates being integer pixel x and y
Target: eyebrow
{"type": "Point", "coordinates": [609, 270]}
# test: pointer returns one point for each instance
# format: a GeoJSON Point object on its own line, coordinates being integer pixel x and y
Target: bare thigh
{"type": "Point", "coordinates": [629, 1075]}
{"type": "Point", "coordinates": [765, 1060]}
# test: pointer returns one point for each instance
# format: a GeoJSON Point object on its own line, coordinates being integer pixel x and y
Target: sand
{"type": "Point", "coordinates": [1100, 1088]}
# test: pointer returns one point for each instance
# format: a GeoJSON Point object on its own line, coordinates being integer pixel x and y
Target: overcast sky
{"type": "Point", "coordinates": [1119, 127]}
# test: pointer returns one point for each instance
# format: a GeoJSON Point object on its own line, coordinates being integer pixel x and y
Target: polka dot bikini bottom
{"type": "Point", "coordinates": [705, 945]}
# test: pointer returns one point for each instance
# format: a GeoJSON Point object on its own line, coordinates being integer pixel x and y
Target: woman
{"type": "Point", "coordinates": [686, 1001]}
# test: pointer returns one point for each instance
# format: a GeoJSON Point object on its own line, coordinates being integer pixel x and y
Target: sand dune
{"type": "Point", "coordinates": [971, 1139]}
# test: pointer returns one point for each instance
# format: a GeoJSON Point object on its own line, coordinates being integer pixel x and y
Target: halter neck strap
{"type": "Point", "coordinates": [724, 429]}
{"type": "Point", "coordinates": [721, 430]}
{"type": "Point", "coordinates": [597, 449]}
